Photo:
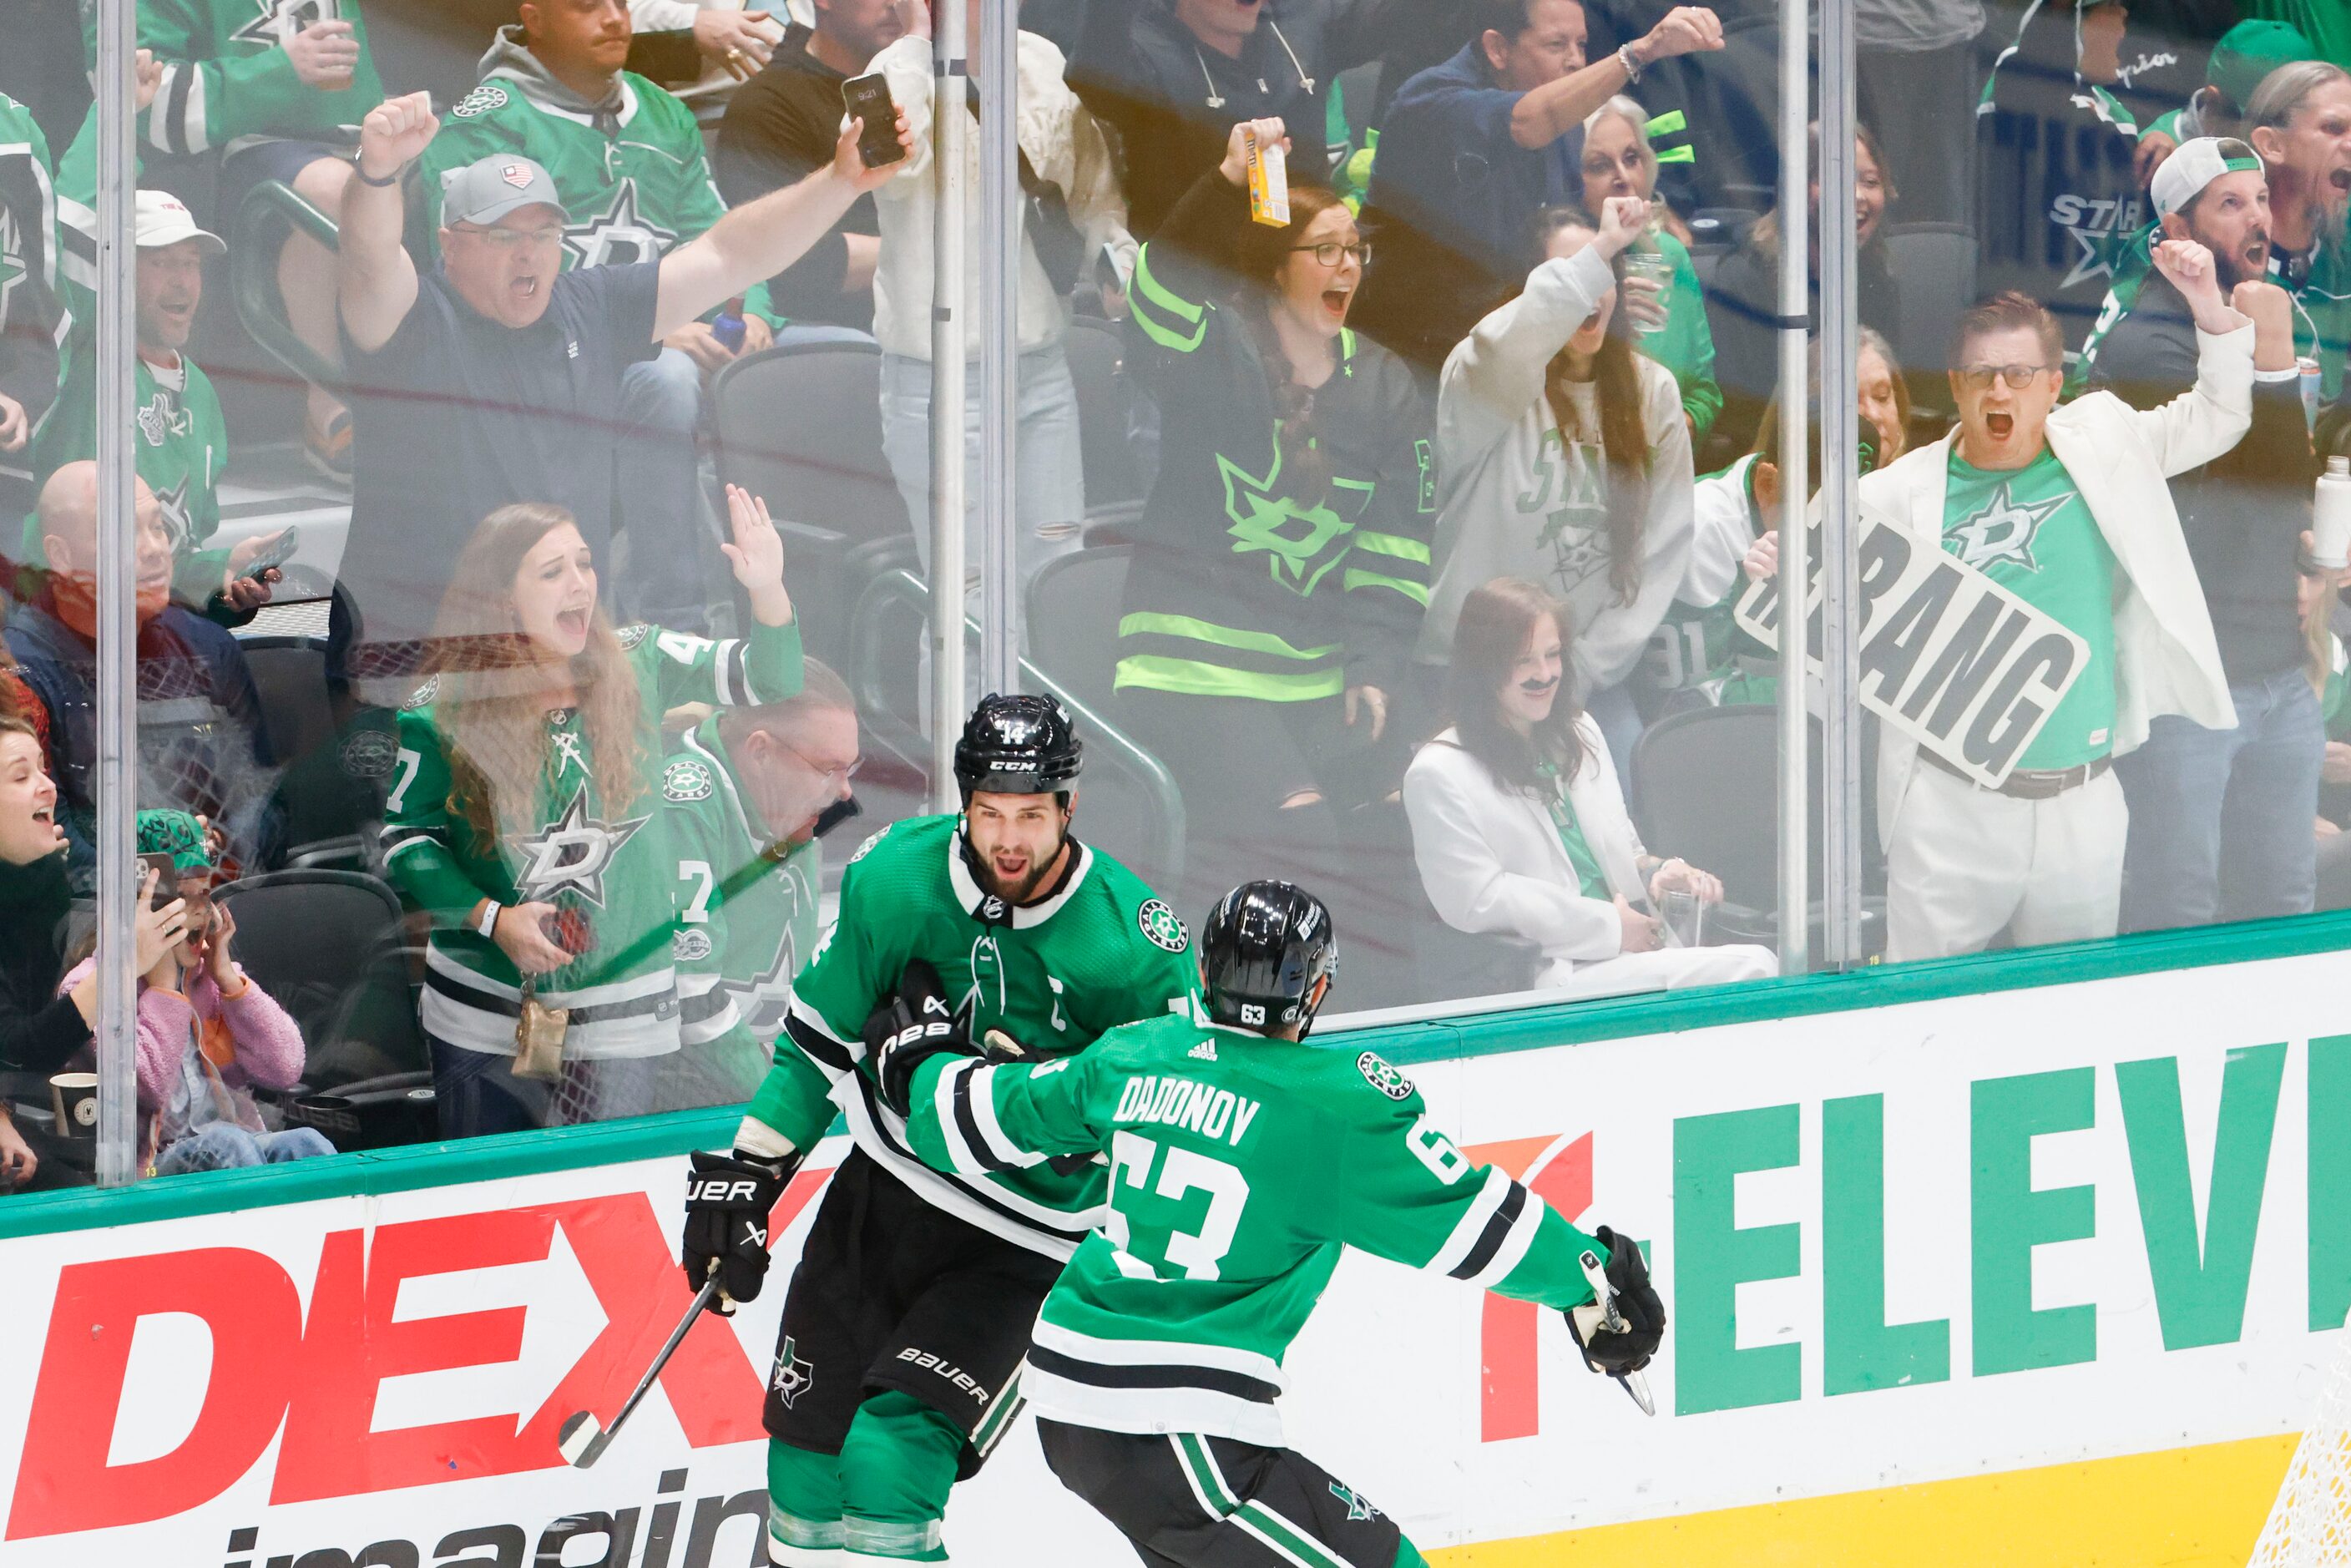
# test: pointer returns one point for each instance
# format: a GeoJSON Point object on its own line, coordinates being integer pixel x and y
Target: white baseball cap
{"type": "Point", "coordinates": [2194, 164]}
{"type": "Point", "coordinates": [161, 218]}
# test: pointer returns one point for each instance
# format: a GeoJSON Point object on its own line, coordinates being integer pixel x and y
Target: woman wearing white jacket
{"type": "Point", "coordinates": [1565, 461]}
{"type": "Point", "coordinates": [1519, 826]}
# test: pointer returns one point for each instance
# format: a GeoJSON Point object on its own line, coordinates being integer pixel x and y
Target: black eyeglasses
{"type": "Point", "coordinates": [835, 770]}
{"type": "Point", "coordinates": [1329, 252]}
{"type": "Point", "coordinates": [2018, 377]}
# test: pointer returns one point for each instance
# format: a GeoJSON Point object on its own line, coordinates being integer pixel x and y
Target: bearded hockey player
{"type": "Point", "coordinates": [1158, 1355]}
{"type": "Point", "coordinates": [909, 1314]}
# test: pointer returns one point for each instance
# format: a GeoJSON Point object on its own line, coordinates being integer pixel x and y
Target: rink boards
{"type": "Point", "coordinates": [1958, 1276]}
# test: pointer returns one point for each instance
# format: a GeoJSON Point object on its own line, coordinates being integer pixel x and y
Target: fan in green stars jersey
{"type": "Point", "coordinates": [907, 1318]}
{"type": "Point", "coordinates": [1241, 1163]}
{"type": "Point", "coordinates": [748, 793]}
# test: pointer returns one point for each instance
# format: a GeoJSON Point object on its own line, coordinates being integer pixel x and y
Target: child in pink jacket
{"type": "Point", "coordinates": [207, 1035]}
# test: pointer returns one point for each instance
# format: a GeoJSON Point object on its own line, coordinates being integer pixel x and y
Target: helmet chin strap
{"type": "Point", "coordinates": [1313, 1005]}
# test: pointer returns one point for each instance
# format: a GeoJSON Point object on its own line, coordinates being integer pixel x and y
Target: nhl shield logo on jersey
{"type": "Point", "coordinates": [792, 1377]}
{"type": "Point", "coordinates": [691, 946]}
{"type": "Point", "coordinates": [686, 780]}
{"type": "Point", "coordinates": [1161, 926]}
{"type": "Point", "coordinates": [1383, 1077]}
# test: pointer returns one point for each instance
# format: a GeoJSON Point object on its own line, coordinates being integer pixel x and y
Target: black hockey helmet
{"type": "Point", "coordinates": [1018, 745]}
{"type": "Point", "coordinates": [1265, 956]}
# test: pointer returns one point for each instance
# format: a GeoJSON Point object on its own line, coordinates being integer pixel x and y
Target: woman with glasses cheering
{"type": "Point", "coordinates": [1284, 551]}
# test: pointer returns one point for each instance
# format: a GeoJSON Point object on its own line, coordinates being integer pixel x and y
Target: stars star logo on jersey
{"type": "Point", "coordinates": [177, 525]}
{"type": "Point", "coordinates": [792, 1377]}
{"type": "Point", "coordinates": [618, 235]}
{"type": "Point", "coordinates": [572, 852]}
{"type": "Point", "coordinates": [281, 19]}
{"type": "Point", "coordinates": [1577, 552]}
{"type": "Point", "coordinates": [1297, 540]}
{"type": "Point", "coordinates": [2003, 530]}
{"type": "Point", "coordinates": [1357, 1507]}
{"type": "Point", "coordinates": [1380, 1075]}
{"type": "Point", "coordinates": [1161, 926]}
{"type": "Point", "coordinates": [686, 780]}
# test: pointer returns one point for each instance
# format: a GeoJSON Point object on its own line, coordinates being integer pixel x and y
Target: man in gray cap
{"type": "Point", "coordinates": [2219, 819]}
{"type": "Point", "coordinates": [496, 377]}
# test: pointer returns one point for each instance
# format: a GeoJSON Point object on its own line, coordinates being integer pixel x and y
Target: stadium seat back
{"type": "Point", "coordinates": [290, 674]}
{"type": "Point", "coordinates": [328, 947]}
{"type": "Point", "coordinates": [1706, 789]}
{"type": "Point", "coordinates": [1097, 355]}
{"type": "Point", "coordinates": [1934, 268]}
{"type": "Point", "coordinates": [1072, 619]}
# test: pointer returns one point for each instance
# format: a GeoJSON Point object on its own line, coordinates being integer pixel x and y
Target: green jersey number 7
{"type": "Point", "coordinates": [1161, 1251]}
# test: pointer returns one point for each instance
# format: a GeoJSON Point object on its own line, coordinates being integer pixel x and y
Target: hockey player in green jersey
{"type": "Point", "coordinates": [628, 164]}
{"type": "Point", "coordinates": [1241, 1162]}
{"type": "Point", "coordinates": [907, 1318]}
{"type": "Point", "coordinates": [748, 793]}
{"type": "Point", "coordinates": [523, 820]}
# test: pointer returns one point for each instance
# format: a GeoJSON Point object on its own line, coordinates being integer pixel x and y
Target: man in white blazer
{"type": "Point", "coordinates": [2071, 508]}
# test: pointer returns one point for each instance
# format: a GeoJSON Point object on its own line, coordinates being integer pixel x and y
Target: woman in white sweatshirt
{"type": "Point", "coordinates": [1564, 460]}
{"type": "Point", "coordinates": [1518, 827]}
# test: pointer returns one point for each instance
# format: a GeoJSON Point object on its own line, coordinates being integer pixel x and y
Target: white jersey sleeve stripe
{"type": "Point", "coordinates": [982, 1096]}
{"type": "Point", "coordinates": [1472, 1228]}
{"type": "Point", "coordinates": [960, 1154]}
{"type": "Point", "coordinates": [1513, 1247]}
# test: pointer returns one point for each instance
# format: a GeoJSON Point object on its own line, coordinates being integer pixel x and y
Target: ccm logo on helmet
{"type": "Point", "coordinates": [722, 1189]}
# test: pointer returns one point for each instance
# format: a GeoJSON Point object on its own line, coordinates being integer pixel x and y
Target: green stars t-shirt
{"type": "Point", "coordinates": [2029, 531]}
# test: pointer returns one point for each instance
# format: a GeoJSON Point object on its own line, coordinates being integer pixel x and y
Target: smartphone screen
{"type": "Point", "coordinates": [167, 879]}
{"type": "Point", "coordinates": [869, 101]}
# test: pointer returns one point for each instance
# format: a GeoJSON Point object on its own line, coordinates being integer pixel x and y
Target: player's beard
{"type": "Point", "coordinates": [1020, 893]}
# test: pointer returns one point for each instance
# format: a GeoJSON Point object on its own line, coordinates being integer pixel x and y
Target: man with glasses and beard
{"type": "Point", "coordinates": [2216, 829]}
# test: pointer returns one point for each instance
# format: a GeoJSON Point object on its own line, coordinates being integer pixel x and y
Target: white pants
{"type": "Point", "coordinates": [1961, 862]}
{"type": "Point", "coordinates": [1662, 969]}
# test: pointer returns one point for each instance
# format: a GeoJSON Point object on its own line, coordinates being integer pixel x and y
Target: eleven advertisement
{"type": "Point", "coordinates": [1919, 1242]}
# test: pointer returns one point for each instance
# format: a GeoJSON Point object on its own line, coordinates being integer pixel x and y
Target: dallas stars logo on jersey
{"type": "Point", "coordinates": [2003, 530]}
{"type": "Point", "coordinates": [13, 270]}
{"type": "Point", "coordinates": [1358, 1506]}
{"type": "Point", "coordinates": [618, 235]}
{"type": "Point", "coordinates": [1297, 540]}
{"type": "Point", "coordinates": [281, 19]}
{"type": "Point", "coordinates": [792, 1377]}
{"type": "Point", "coordinates": [572, 852]}
{"type": "Point", "coordinates": [1567, 493]}
{"type": "Point", "coordinates": [161, 418]}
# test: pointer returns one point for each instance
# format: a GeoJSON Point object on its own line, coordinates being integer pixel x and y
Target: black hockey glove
{"type": "Point", "coordinates": [908, 1029]}
{"type": "Point", "coordinates": [727, 1200]}
{"type": "Point", "coordinates": [1619, 1351]}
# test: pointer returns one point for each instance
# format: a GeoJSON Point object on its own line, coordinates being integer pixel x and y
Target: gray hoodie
{"type": "Point", "coordinates": [510, 59]}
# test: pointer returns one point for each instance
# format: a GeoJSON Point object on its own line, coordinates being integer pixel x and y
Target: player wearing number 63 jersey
{"type": "Point", "coordinates": [1241, 1162]}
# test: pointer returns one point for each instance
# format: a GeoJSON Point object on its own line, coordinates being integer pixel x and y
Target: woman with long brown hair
{"type": "Point", "coordinates": [1283, 560]}
{"type": "Point", "coordinates": [1566, 461]}
{"type": "Point", "coordinates": [1518, 823]}
{"type": "Point", "coordinates": [524, 817]}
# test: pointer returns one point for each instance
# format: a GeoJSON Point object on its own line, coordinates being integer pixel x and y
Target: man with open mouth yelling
{"type": "Point", "coordinates": [2300, 122]}
{"type": "Point", "coordinates": [2191, 790]}
{"type": "Point", "coordinates": [497, 378]}
{"type": "Point", "coordinates": [2069, 509]}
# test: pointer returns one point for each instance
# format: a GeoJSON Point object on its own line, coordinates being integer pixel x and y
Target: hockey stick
{"type": "Point", "coordinates": [583, 1440]}
{"type": "Point", "coordinates": [1636, 1387]}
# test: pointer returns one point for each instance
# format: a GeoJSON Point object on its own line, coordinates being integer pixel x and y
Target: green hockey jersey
{"type": "Point", "coordinates": [747, 913]}
{"type": "Point", "coordinates": [2319, 284]}
{"type": "Point", "coordinates": [1100, 950]}
{"type": "Point", "coordinates": [636, 182]}
{"type": "Point", "coordinates": [228, 80]}
{"type": "Point", "coordinates": [1239, 1166]}
{"type": "Point", "coordinates": [182, 445]}
{"type": "Point", "coordinates": [30, 308]}
{"type": "Point", "coordinates": [609, 863]}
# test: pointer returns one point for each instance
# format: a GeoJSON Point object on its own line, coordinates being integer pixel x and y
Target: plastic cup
{"type": "Point", "coordinates": [1658, 269]}
{"type": "Point", "coordinates": [74, 1097]}
{"type": "Point", "coordinates": [1684, 913]}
